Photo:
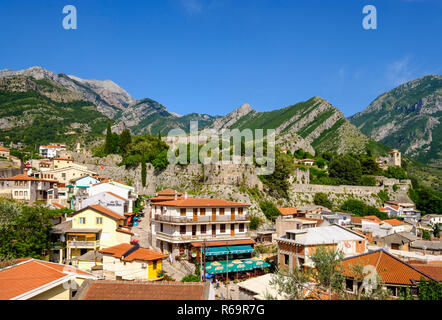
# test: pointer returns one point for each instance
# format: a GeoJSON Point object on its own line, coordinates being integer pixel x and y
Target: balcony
{"type": "Point", "coordinates": [83, 244]}
{"type": "Point", "coordinates": [219, 237]}
{"type": "Point", "coordinates": [202, 219]}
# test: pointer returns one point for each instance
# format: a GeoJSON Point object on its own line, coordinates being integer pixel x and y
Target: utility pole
{"type": "Point", "coordinates": [204, 260]}
{"type": "Point", "coordinates": [227, 271]}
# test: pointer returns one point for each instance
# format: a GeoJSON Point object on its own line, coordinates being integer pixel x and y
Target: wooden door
{"type": "Point", "coordinates": [195, 214]}
{"type": "Point", "coordinates": [213, 230]}
{"type": "Point", "coordinates": [232, 229]}
{"type": "Point", "coordinates": [232, 214]}
{"type": "Point", "coordinates": [214, 214]}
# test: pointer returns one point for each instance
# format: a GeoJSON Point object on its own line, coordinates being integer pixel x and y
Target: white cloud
{"type": "Point", "coordinates": [192, 6]}
{"type": "Point", "coordinates": [400, 71]}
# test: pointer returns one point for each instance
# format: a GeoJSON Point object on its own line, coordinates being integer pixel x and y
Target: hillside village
{"type": "Point", "coordinates": [215, 232]}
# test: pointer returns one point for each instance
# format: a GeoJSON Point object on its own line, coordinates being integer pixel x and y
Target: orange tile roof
{"type": "Point", "coordinates": [434, 270]}
{"type": "Point", "coordinates": [3, 149]}
{"type": "Point", "coordinates": [159, 290]}
{"type": "Point", "coordinates": [117, 196]}
{"type": "Point", "coordinates": [390, 269]}
{"type": "Point", "coordinates": [356, 219]}
{"type": "Point", "coordinates": [103, 210]}
{"type": "Point", "coordinates": [53, 146]}
{"type": "Point", "coordinates": [58, 205]}
{"type": "Point", "coordinates": [208, 202]}
{"type": "Point", "coordinates": [142, 254]}
{"type": "Point", "coordinates": [30, 274]}
{"type": "Point", "coordinates": [168, 192]}
{"type": "Point", "coordinates": [383, 209]}
{"type": "Point", "coordinates": [63, 159]}
{"type": "Point", "coordinates": [374, 218]}
{"type": "Point", "coordinates": [288, 211]}
{"type": "Point", "coordinates": [394, 222]}
{"type": "Point", "coordinates": [307, 160]}
{"type": "Point", "coordinates": [124, 231]}
{"type": "Point", "coordinates": [23, 177]}
{"type": "Point", "coordinates": [318, 221]}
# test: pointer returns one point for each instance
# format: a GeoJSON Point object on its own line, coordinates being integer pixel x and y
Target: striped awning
{"type": "Point", "coordinates": [217, 251]}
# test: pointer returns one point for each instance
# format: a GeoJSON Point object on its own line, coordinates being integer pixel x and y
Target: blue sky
{"type": "Point", "coordinates": [211, 56]}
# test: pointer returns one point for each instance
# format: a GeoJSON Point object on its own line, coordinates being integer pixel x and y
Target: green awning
{"type": "Point", "coordinates": [217, 251]}
{"type": "Point", "coordinates": [216, 267]}
{"type": "Point", "coordinates": [69, 186]}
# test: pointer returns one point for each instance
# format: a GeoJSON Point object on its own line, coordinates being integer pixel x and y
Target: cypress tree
{"type": "Point", "coordinates": [143, 173]}
{"type": "Point", "coordinates": [108, 145]}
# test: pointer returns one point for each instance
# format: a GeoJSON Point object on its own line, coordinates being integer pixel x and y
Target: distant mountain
{"type": "Point", "coordinates": [315, 121]}
{"type": "Point", "coordinates": [149, 116]}
{"type": "Point", "coordinates": [42, 111]}
{"type": "Point", "coordinates": [107, 96]}
{"type": "Point", "coordinates": [408, 118]}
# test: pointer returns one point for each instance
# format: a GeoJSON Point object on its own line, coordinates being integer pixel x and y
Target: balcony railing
{"type": "Point", "coordinates": [208, 236]}
{"type": "Point", "coordinates": [202, 219]}
{"type": "Point", "coordinates": [83, 244]}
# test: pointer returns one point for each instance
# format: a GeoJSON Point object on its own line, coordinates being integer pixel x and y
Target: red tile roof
{"type": "Point", "coordinates": [288, 211]}
{"type": "Point", "coordinates": [30, 274]}
{"type": "Point", "coordinates": [394, 222]}
{"type": "Point", "coordinates": [63, 159]}
{"type": "Point", "coordinates": [142, 254]}
{"type": "Point", "coordinates": [124, 231]}
{"type": "Point", "coordinates": [390, 269]}
{"type": "Point", "coordinates": [23, 177]}
{"type": "Point", "coordinates": [3, 149]}
{"type": "Point", "coordinates": [58, 205]}
{"type": "Point", "coordinates": [102, 210]}
{"type": "Point", "coordinates": [434, 270]}
{"type": "Point", "coordinates": [125, 290]}
{"type": "Point", "coordinates": [117, 196]}
{"type": "Point", "coordinates": [168, 192]}
{"type": "Point", "coordinates": [373, 218]}
{"type": "Point", "coordinates": [208, 202]}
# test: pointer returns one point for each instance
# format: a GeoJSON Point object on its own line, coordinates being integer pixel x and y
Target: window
{"type": "Point", "coordinates": [82, 220]}
{"type": "Point", "coordinates": [203, 229]}
{"type": "Point", "coordinates": [286, 259]}
{"type": "Point", "coordinates": [21, 193]}
{"type": "Point", "coordinates": [154, 265]}
{"type": "Point", "coordinates": [232, 211]}
{"type": "Point", "coordinates": [162, 210]}
{"type": "Point", "coordinates": [221, 211]}
{"type": "Point", "coordinates": [203, 211]}
{"type": "Point", "coordinates": [183, 212]}
{"type": "Point", "coordinates": [240, 210]}
{"type": "Point", "coordinates": [241, 227]}
{"type": "Point", "coordinates": [195, 211]}
{"type": "Point", "coordinates": [222, 228]}
{"type": "Point", "coordinates": [182, 229]}
{"type": "Point", "coordinates": [161, 227]}
{"type": "Point", "coordinates": [98, 220]}
{"type": "Point", "coordinates": [15, 193]}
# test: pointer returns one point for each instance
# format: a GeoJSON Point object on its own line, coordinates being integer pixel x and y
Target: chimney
{"type": "Point", "coordinates": [176, 195]}
{"type": "Point", "coordinates": [185, 195]}
{"type": "Point", "coordinates": [25, 171]}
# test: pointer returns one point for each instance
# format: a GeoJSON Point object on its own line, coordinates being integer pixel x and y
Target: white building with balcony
{"type": "Point", "coordinates": [178, 224]}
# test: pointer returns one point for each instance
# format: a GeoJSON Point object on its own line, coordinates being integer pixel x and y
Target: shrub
{"type": "Point", "coordinates": [269, 209]}
{"type": "Point", "coordinates": [322, 199]}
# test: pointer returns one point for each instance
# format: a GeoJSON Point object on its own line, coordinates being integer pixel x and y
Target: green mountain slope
{"type": "Point", "coordinates": [316, 120]}
{"type": "Point", "coordinates": [41, 111]}
{"type": "Point", "coordinates": [408, 118]}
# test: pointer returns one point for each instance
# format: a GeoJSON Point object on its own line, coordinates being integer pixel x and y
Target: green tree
{"type": "Point", "coordinates": [429, 290]}
{"type": "Point", "coordinates": [346, 168]}
{"type": "Point", "coordinates": [426, 235]}
{"type": "Point", "coordinates": [436, 230]}
{"type": "Point", "coordinates": [143, 173]}
{"type": "Point", "coordinates": [269, 209]}
{"type": "Point", "coordinates": [321, 199]}
{"type": "Point", "coordinates": [396, 172]}
{"type": "Point", "coordinates": [108, 144]}
{"type": "Point", "coordinates": [277, 182]}
{"type": "Point", "coordinates": [191, 278]}
{"type": "Point", "coordinates": [124, 141]}
{"type": "Point", "coordinates": [29, 233]}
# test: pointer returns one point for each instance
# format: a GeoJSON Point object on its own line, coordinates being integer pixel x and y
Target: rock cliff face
{"type": "Point", "coordinates": [314, 124]}
{"type": "Point", "coordinates": [108, 97]}
{"type": "Point", "coordinates": [408, 118]}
